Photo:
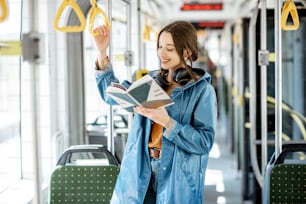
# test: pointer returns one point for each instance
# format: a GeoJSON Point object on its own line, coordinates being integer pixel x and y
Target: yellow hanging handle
{"type": "Point", "coordinates": [146, 35]}
{"type": "Point", "coordinates": [94, 11]}
{"type": "Point", "coordinates": [3, 10]}
{"type": "Point", "coordinates": [141, 73]}
{"type": "Point", "coordinates": [289, 8]}
{"type": "Point", "coordinates": [78, 12]}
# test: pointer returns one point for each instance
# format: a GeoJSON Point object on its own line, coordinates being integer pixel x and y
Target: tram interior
{"type": "Point", "coordinates": [254, 50]}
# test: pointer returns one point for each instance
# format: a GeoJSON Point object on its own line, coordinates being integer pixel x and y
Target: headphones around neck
{"type": "Point", "coordinates": [180, 76]}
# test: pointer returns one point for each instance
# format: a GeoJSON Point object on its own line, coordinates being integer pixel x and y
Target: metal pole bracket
{"type": "Point", "coordinates": [263, 57]}
{"type": "Point", "coordinates": [33, 47]}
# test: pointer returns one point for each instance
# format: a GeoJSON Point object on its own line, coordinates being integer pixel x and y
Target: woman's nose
{"type": "Point", "coordinates": [161, 52]}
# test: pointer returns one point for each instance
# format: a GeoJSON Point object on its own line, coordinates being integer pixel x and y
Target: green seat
{"type": "Point", "coordinates": [82, 184]}
{"type": "Point", "coordinates": [288, 183]}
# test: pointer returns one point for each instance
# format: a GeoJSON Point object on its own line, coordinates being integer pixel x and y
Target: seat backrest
{"type": "Point", "coordinates": [285, 175]}
{"type": "Point", "coordinates": [288, 183]}
{"type": "Point", "coordinates": [86, 154]}
{"type": "Point", "coordinates": [82, 184]}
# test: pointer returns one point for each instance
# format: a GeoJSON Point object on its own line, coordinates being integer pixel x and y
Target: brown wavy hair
{"type": "Point", "coordinates": [185, 38]}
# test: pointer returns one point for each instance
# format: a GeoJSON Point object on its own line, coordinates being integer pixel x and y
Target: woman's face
{"type": "Point", "coordinates": [167, 53]}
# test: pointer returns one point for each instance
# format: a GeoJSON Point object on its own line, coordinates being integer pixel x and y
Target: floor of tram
{"type": "Point", "coordinates": [223, 181]}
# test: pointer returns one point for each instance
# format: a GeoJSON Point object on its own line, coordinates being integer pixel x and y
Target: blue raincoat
{"type": "Point", "coordinates": [184, 151]}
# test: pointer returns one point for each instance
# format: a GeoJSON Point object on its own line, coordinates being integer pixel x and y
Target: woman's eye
{"type": "Point", "coordinates": [165, 48]}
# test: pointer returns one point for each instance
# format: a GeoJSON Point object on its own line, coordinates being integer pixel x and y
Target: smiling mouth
{"type": "Point", "coordinates": [164, 61]}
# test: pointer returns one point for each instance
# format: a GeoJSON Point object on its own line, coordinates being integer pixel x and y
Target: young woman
{"type": "Point", "coordinates": [167, 150]}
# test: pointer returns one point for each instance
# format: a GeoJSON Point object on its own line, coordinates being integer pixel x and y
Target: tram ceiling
{"type": "Point", "coordinates": [203, 10]}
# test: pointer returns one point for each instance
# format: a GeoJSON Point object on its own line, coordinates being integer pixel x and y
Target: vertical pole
{"type": "Point", "coordinates": [33, 25]}
{"type": "Point", "coordinates": [129, 49]}
{"type": "Point", "coordinates": [139, 35]}
{"type": "Point", "coordinates": [110, 137]}
{"type": "Point", "coordinates": [278, 79]}
{"type": "Point", "coordinates": [253, 96]}
{"type": "Point", "coordinates": [129, 36]}
{"type": "Point", "coordinates": [263, 88]}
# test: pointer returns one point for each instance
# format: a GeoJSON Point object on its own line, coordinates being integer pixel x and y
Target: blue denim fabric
{"type": "Point", "coordinates": [151, 193]}
{"type": "Point", "coordinates": [155, 164]}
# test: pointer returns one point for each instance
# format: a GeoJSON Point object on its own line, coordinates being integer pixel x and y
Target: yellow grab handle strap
{"type": "Point", "coordinates": [78, 12]}
{"type": "Point", "coordinates": [94, 11]}
{"type": "Point", "coordinates": [3, 10]}
{"type": "Point", "coordinates": [141, 73]}
{"type": "Point", "coordinates": [289, 8]}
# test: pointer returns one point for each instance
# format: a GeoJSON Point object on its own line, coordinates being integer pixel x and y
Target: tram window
{"type": "Point", "coordinates": [295, 158]}
{"type": "Point", "coordinates": [293, 80]}
{"type": "Point", "coordinates": [95, 107]}
{"type": "Point", "coordinates": [10, 102]}
{"type": "Point", "coordinates": [151, 61]}
{"type": "Point", "coordinates": [97, 112]}
{"type": "Point", "coordinates": [100, 123]}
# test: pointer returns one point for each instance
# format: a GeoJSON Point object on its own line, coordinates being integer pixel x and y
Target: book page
{"type": "Point", "coordinates": [117, 85]}
{"type": "Point", "coordinates": [156, 92]}
{"type": "Point", "coordinates": [123, 100]}
{"type": "Point", "coordinates": [145, 79]}
{"type": "Point", "coordinates": [121, 97]}
{"type": "Point", "coordinates": [149, 94]}
{"type": "Point", "coordinates": [143, 92]}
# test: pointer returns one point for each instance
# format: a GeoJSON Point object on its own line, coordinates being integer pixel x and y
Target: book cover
{"type": "Point", "coordinates": [143, 92]}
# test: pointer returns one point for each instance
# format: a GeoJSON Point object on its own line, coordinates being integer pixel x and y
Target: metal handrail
{"type": "Point", "coordinates": [278, 79]}
{"type": "Point", "coordinates": [297, 117]}
{"type": "Point", "coordinates": [35, 106]}
{"type": "Point", "coordinates": [252, 77]}
{"type": "Point", "coordinates": [303, 2]}
{"type": "Point", "coordinates": [263, 86]}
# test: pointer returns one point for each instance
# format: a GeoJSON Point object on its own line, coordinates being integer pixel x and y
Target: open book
{"type": "Point", "coordinates": [143, 92]}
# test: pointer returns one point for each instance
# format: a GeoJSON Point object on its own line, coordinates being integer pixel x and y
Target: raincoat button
{"type": "Point", "coordinates": [164, 168]}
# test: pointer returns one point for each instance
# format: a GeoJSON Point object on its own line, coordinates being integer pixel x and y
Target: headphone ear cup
{"type": "Point", "coordinates": [181, 76]}
{"type": "Point", "coordinates": [161, 81]}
